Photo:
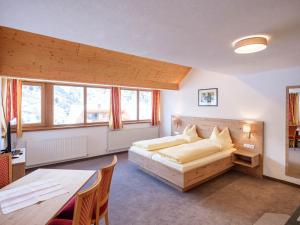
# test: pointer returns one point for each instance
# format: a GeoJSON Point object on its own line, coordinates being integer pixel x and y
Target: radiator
{"type": "Point", "coordinates": [123, 139]}
{"type": "Point", "coordinates": [56, 149]}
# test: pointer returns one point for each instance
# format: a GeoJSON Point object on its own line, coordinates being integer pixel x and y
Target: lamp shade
{"type": "Point", "coordinates": [250, 45]}
{"type": "Point", "coordinates": [176, 121]}
{"type": "Point", "coordinates": [246, 128]}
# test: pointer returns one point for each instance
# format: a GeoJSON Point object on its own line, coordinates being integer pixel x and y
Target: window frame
{"type": "Point", "coordinates": [137, 106]}
{"type": "Point", "coordinates": [42, 85]}
{"type": "Point", "coordinates": [47, 107]}
{"type": "Point", "coordinates": [85, 104]}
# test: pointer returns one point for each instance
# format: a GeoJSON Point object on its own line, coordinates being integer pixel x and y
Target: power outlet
{"type": "Point", "coordinates": [249, 146]}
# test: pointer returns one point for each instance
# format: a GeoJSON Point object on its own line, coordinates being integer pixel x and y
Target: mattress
{"type": "Point", "coordinates": [142, 152]}
{"type": "Point", "coordinates": [193, 164]}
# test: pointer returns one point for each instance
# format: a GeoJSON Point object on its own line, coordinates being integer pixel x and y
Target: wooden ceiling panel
{"type": "Point", "coordinates": [28, 55]}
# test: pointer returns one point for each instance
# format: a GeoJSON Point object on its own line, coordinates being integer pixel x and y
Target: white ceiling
{"type": "Point", "coordinates": [195, 33]}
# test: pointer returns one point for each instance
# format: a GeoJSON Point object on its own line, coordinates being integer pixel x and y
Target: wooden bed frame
{"type": "Point", "coordinates": [184, 181]}
{"type": "Point", "coordinates": [181, 181]}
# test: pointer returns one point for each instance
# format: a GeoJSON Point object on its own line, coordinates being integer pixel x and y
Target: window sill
{"type": "Point", "coordinates": [32, 129]}
{"type": "Point", "coordinates": [62, 127]}
{"type": "Point", "coordinates": [136, 121]}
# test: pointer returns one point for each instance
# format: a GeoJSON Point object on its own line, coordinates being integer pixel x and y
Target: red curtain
{"type": "Point", "coordinates": [11, 102]}
{"type": "Point", "coordinates": [155, 107]}
{"type": "Point", "coordinates": [8, 107]}
{"type": "Point", "coordinates": [293, 109]}
{"type": "Point", "coordinates": [115, 121]}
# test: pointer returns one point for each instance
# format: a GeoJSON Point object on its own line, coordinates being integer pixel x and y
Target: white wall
{"type": "Point", "coordinates": [258, 97]}
{"type": "Point", "coordinates": [97, 137]}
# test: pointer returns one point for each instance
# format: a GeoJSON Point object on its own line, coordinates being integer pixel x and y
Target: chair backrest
{"type": "Point", "coordinates": [5, 169]}
{"type": "Point", "coordinates": [84, 205]}
{"type": "Point", "coordinates": [103, 191]}
{"type": "Point", "coordinates": [292, 131]}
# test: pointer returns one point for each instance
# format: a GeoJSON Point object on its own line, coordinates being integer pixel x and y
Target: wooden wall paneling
{"type": "Point", "coordinates": [239, 138]}
{"type": "Point", "coordinates": [28, 55]}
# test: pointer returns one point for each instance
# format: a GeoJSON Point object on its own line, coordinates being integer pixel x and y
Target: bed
{"type": "Point", "coordinates": [186, 175]}
{"type": "Point", "coordinates": [182, 176]}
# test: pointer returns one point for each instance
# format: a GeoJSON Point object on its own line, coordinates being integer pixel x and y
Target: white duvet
{"type": "Point", "coordinates": [159, 143]}
{"type": "Point", "coordinates": [189, 152]}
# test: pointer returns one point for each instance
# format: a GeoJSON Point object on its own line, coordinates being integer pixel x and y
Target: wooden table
{"type": "Point", "coordinates": [40, 214]}
{"type": "Point", "coordinates": [18, 166]}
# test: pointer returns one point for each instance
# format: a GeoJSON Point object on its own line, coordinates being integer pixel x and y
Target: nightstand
{"type": "Point", "coordinates": [245, 158]}
{"type": "Point", "coordinates": [18, 165]}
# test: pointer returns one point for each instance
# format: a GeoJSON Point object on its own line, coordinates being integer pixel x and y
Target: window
{"type": "Point", "coordinates": [47, 105]}
{"type": "Point", "coordinates": [129, 104]}
{"type": "Point", "coordinates": [68, 103]}
{"type": "Point", "coordinates": [145, 105]}
{"type": "Point", "coordinates": [136, 105]}
{"type": "Point", "coordinates": [31, 104]}
{"type": "Point", "coordinates": [97, 104]}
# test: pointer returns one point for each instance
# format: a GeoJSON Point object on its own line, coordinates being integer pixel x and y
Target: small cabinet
{"type": "Point", "coordinates": [245, 158]}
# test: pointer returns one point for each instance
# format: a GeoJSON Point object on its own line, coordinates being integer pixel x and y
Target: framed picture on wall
{"type": "Point", "coordinates": [208, 97]}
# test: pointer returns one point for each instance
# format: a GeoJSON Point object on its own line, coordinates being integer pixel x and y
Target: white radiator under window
{"type": "Point", "coordinates": [123, 139]}
{"type": "Point", "coordinates": [55, 149]}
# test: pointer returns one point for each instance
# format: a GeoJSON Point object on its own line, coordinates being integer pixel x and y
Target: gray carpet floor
{"type": "Point", "coordinates": [233, 198]}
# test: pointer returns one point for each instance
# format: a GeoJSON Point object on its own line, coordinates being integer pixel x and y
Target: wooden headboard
{"type": "Point", "coordinates": [239, 138]}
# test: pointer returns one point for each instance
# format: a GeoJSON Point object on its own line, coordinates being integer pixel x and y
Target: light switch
{"type": "Point", "coordinates": [250, 146]}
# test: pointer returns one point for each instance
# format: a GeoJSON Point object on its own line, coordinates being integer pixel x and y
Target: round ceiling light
{"type": "Point", "coordinates": [250, 44]}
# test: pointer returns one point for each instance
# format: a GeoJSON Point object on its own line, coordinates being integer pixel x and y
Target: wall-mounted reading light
{"type": "Point", "coordinates": [247, 129]}
{"type": "Point", "coordinates": [176, 121]}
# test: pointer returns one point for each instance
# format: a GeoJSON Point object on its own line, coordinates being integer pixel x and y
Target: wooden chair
{"type": "Point", "coordinates": [292, 136]}
{"type": "Point", "coordinates": [84, 206]}
{"type": "Point", "coordinates": [297, 136]}
{"type": "Point", "coordinates": [101, 201]}
{"type": "Point", "coordinates": [5, 169]}
{"type": "Point", "coordinates": [101, 209]}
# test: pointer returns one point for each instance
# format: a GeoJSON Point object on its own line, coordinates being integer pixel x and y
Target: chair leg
{"type": "Point", "coordinates": [293, 144]}
{"type": "Point", "coordinates": [106, 218]}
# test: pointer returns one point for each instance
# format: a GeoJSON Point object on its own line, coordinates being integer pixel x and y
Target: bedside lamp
{"type": "Point", "coordinates": [247, 129]}
{"type": "Point", "coordinates": [176, 121]}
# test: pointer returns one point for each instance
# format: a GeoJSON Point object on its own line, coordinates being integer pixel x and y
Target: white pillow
{"type": "Point", "coordinates": [186, 129]}
{"type": "Point", "coordinates": [214, 133]}
{"type": "Point", "coordinates": [222, 139]}
{"type": "Point", "coordinates": [191, 134]}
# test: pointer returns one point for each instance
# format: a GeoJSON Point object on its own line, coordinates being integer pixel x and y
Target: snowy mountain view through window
{"type": "Point", "coordinates": [136, 105]}
{"type": "Point", "coordinates": [47, 105]}
{"type": "Point", "coordinates": [31, 104]}
{"type": "Point", "coordinates": [129, 105]}
{"type": "Point", "coordinates": [145, 105]}
{"type": "Point", "coordinates": [68, 104]}
{"type": "Point", "coordinates": [98, 104]}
